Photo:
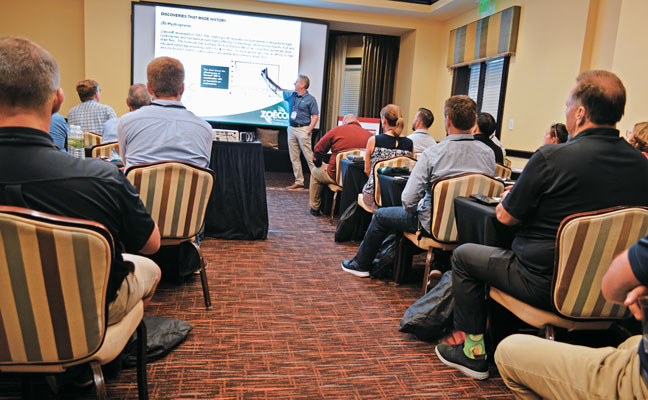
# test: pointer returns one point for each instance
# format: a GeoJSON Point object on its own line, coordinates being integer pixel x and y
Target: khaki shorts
{"type": "Point", "coordinates": [136, 285]}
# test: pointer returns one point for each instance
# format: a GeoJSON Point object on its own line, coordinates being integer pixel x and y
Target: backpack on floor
{"type": "Point", "coordinates": [383, 265]}
{"type": "Point", "coordinates": [430, 318]}
{"type": "Point", "coordinates": [353, 224]}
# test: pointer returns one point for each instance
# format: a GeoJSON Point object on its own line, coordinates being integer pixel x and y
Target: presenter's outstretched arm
{"type": "Point", "coordinates": [271, 84]}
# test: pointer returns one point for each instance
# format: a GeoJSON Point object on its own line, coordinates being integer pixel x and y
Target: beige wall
{"type": "Point", "coordinates": [58, 27]}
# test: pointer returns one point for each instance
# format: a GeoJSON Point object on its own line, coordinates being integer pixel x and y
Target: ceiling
{"type": "Point", "coordinates": [436, 9]}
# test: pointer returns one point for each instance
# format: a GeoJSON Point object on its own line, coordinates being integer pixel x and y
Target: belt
{"type": "Point", "coordinates": [297, 125]}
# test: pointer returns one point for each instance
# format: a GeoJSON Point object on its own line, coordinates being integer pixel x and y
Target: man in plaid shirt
{"type": "Point", "coordinates": [90, 115]}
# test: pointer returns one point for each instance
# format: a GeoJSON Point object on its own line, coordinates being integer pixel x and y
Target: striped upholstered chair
{"type": "Point", "coordinates": [176, 194]}
{"type": "Point", "coordinates": [336, 188]}
{"type": "Point", "coordinates": [53, 277]}
{"type": "Point", "coordinates": [586, 244]}
{"type": "Point", "coordinates": [399, 161]}
{"type": "Point", "coordinates": [91, 139]}
{"type": "Point", "coordinates": [444, 227]}
{"type": "Point", "coordinates": [502, 172]}
{"type": "Point", "coordinates": [104, 149]}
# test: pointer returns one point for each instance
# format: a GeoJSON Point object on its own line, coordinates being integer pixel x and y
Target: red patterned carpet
{"type": "Point", "coordinates": [288, 323]}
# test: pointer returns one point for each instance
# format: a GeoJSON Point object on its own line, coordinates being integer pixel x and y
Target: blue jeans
{"type": "Point", "coordinates": [386, 220]}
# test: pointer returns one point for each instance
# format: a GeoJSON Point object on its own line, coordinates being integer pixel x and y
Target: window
{"type": "Point", "coordinates": [485, 83]}
{"type": "Point", "coordinates": [351, 92]}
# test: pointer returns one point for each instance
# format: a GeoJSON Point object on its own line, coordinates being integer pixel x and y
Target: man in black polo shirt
{"type": "Point", "coordinates": [595, 170]}
{"type": "Point", "coordinates": [33, 174]}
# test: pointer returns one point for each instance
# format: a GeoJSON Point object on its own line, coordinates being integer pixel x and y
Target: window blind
{"type": "Point", "coordinates": [492, 85]}
{"type": "Point", "coordinates": [351, 92]}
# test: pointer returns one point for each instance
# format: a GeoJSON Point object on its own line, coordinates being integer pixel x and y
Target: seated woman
{"type": "Point", "coordinates": [556, 134]}
{"type": "Point", "coordinates": [383, 146]}
{"type": "Point", "coordinates": [638, 137]}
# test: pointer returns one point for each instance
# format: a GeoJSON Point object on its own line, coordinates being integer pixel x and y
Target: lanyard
{"type": "Point", "coordinates": [169, 105]}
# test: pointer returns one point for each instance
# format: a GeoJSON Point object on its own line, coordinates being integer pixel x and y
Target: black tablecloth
{"type": "Point", "coordinates": [477, 223]}
{"type": "Point", "coordinates": [391, 188]}
{"type": "Point", "coordinates": [353, 180]}
{"type": "Point", "coordinates": [237, 208]}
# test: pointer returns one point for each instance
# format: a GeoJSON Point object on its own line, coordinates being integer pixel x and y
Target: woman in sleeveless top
{"type": "Point", "coordinates": [385, 145]}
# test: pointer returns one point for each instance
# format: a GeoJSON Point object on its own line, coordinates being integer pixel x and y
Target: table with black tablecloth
{"type": "Point", "coordinates": [353, 180]}
{"type": "Point", "coordinates": [391, 189]}
{"type": "Point", "coordinates": [237, 208]}
{"type": "Point", "coordinates": [477, 223]}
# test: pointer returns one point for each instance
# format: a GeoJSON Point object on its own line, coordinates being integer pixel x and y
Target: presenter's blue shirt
{"type": "Point", "coordinates": [59, 131]}
{"type": "Point", "coordinates": [304, 104]}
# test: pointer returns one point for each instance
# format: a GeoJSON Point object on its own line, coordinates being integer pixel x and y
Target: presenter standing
{"type": "Point", "coordinates": [304, 115]}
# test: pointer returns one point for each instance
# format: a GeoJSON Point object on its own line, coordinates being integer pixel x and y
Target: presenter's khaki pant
{"type": "Point", "coordinates": [299, 140]}
{"type": "Point", "coordinates": [535, 368]}
{"type": "Point", "coordinates": [318, 181]}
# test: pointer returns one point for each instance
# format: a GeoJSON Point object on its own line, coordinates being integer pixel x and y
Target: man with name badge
{"type": "Point", "coordinates": [304, 115]}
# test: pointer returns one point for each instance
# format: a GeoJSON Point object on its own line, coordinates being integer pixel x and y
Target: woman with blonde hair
{"type": "Point", "coordinates": [388, 144]}
{"type": "Point", "coordinates": [638, 137]}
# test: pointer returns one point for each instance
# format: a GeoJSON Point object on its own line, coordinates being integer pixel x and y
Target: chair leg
{"type": "Point", "coordinates": [426, 275]}
{"type": "Point", "coordinates": [26, 387]}
{"type": "Point", "coordinates": [550, 332]}
{"type": "Point", "coordinates": [203, 279]}
{"type": "Point", "coordinates": [97, 375]}
{"type": "Point", "coordinates": [142, 385]}
{"type": "Point", "coordinates": [399, 260]}
{"type": "Point", "coordinates": [335, 194]}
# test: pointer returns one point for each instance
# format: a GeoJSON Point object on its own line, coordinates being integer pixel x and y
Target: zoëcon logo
{"type": "Point", "coordinates": [274, 115]}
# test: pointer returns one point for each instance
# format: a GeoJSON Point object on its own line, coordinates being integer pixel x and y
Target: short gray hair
{"type": "Point", "coordinates": [138, 96]}
{"type": "Point", "coordinates": [28, 73]}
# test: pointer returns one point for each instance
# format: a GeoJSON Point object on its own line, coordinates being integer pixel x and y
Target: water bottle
{"type": "Point", "coordinates": [75, 142]}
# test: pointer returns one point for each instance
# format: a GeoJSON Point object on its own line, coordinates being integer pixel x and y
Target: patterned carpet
{"type": "Point", "coordinates": [288, 323]}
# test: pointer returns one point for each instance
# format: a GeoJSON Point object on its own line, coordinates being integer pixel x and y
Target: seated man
{"type": "Point", "coordinates": [595, 170]}
{"type": "Point", "coordinates": [421, 137]}
{"type": "Point", "coordinates": [138, 97]}
{"type": "Point", "coordinates": [485, 127]}
{"type": "Point", "coordinates": [535, 368]}
{"type": "Point", "coordinates": [33, 174]}
{"type": "Point", "coordinates": [90, 115]}
{"type": "Point", "coordinates": [556, 134]}
{"type": "Point", "coordinates": [59, 130]}
{"type": "Point", "coordinates": [350, 135]}
{"type": "Point", "coordinates": [457, 153]}
{"type": "Point", "coordinates": [165, 130]}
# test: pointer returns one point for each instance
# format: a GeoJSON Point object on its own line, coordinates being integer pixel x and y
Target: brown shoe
{"type": "Point", "coordinates": [295, 187]}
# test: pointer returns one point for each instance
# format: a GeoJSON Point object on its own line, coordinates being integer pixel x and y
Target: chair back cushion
{"type": "Point", "coordinates": [343, 155]}
{"type": "Point", "coordinates": [586, 245]}
{"type": "Point", "coordinates": [53, 278]}
{"type": "Point", "coordinates": [400, 161]}
{"type": "Point", "coordinates": [105, 149]}
{"type": "Point", "coordinates": [176, 195]}
{"type": "Point", "coordinates": [91, 139]}
{"type": "Point", "coordinates": [444, 191]}
{"type": "Point", "coordinates": [502, 172]}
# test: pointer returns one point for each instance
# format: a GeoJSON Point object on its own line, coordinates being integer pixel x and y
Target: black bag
{"type": "Point", "coordinates": [353, 224]}
{"type": "Point", "coordinates": [162, 335]}
{"type": "Point", "coordinates": [177, 262]}
{"type": "Point", "coordinates": [430, 318]}
{"type": "Point", "coordinates": [383, 265]}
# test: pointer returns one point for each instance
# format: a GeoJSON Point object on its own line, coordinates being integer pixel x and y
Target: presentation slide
{"type": "Point", "coordinates": [224, 54]}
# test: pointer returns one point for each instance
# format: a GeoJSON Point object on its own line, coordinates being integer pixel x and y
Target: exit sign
{"type": "Point", "coordinates": [486, 7]}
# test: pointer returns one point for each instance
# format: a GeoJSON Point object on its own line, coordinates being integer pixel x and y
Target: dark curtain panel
{"type": "Point", "coordinates": [378, 73]}
{"type": "Point", "coordinates": [330, 85]}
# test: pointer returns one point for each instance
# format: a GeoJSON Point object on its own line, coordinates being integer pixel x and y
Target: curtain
{"type": "Point", "coordinates": [379, 58]}
{"type": "Point", "coordinates": [335, 82]}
